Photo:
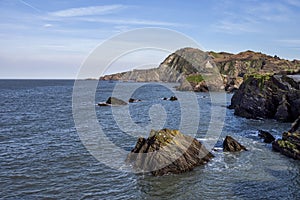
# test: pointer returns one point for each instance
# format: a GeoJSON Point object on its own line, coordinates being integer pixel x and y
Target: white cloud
{"type": "Point", "coordinates": [131, 22]}
{"type": "Point", "coordinates": [47, 25]}
{"type": "Point", "coordinates": [234, 27]}
{"type": "Point", "coordinates": [91, 10]}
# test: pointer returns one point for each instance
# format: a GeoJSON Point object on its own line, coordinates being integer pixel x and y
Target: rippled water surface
{"type": "Point", "coordinates": [42, 155]}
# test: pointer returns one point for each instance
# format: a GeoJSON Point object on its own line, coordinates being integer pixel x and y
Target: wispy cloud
{"type": "Point", "coordinates": [227, 26]}
{"type": "Point", "coordinates": [85, 11]}
{"type": "Point", "coordinates": [29, 5]}
{"type": "Point", "coordinates": [293, 2]}
{"type": "Point", "coordinates": [289, 42]}
{"type": "Point", "coordinates": [251, 17]}
{"type": "Point", "coordinates": [130, 22]}
{"type": "Point", "coordinates": [269, 11]}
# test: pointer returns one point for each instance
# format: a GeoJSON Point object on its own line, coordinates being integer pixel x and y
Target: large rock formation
{"type": "Point", "coordinates": [196, 70]}
{"type": "Point", "coordinates": [289, 145]}
{"type": "Point", "coordinates": [268, 96]}
{"type": "Point", "coordinates": [167, 151]}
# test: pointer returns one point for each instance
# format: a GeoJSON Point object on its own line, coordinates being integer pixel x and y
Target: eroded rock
{"type": "Point", "coordinates": [167, 151]}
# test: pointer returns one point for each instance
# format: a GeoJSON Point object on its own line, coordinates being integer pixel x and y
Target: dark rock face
{"type": "Point", "coordinates": [289, 145]}
{"type": "Point", "coordinates": [268, 137]}
{"type": "Point", "coordinates": [167, 151]}
{"type": "Point", "coordinates": [231, 145]}
{"type": "Point", "coordinates": [266, 96]}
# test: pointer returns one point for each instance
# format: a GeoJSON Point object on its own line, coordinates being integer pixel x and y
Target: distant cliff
{"type": "Point", "coordinates": [194, 68]}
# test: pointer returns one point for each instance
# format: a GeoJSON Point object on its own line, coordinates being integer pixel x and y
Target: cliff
{"type": "Point", "coordinates": [268, 96]}
{"type": "Point", "coordinates": [193, 68]}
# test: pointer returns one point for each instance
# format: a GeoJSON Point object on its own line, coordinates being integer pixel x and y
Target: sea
{"type": "Point", "coordinates": [55, 143]}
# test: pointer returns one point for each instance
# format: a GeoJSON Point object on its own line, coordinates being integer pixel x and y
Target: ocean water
{"type": "Point", "coordinates": [45, 155]}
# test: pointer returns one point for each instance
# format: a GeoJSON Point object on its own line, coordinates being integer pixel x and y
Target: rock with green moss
{"type": "Point", "coordinates": [268, 96]}
{"type": "Point", "coordinates": [167, 151]}
{"type": "Point", "coordinates": [289, 145]}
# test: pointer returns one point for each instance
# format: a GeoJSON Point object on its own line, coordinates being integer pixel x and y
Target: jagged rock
{"type": "Point", "coordinates": [268, 137]}
{"type": "Point", "coordinates": [231, 145]}
{"type": "Point", "coordinates": [131, 100]}
{"type": "Point", "coordinates": [289, 145]}
{"type": "Point", "coordinates": [167, 151]}
{"type": "Point", "coordinates": [268, 96]}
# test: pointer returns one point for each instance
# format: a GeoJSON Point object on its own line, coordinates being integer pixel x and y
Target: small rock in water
{"type": "Point", "coordinates": [173, 98]}
{"type": "Point", "coordinates": [268, 137]}
{"type": "Point", "coordinates": [231, 145]}
{"type": "Point", "coordinates": [112, 101]}
{"type": "Point", "coordinates": [131, 100]}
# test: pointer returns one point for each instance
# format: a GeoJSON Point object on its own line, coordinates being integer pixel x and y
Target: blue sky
{"type": "Point", "coordinates": [50, 39]}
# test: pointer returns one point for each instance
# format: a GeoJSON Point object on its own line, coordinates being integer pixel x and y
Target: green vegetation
{"type": "Point", "coordinates": [286, 144]}
{"type": "Point", "coordinates": [195, 78]}
{"type": "Point", "coordinates": [215, 54]}
{"type": "Point", "coordinates": [261, 78]}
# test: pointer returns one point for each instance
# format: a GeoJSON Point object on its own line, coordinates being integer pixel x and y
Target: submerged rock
{"type": "Point", "coordinates": [268, 137]}
{"type": "Point", "coordinates": [131, 100]}
{"type": "Point", "coordinates": [112, 101]}
{"type": "Point", "coordinates": [115, 101]}
{"type": "Point", "coordinates": [289, 145]}
{"type": "Point", "coordinates": [231, 145]}
{"type": "Point", "coordinates": [167, 151]}
{"type": "Point", "coordinates": [173, 98]}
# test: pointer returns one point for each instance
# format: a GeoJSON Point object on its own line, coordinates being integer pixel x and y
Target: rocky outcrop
{"type": "Point", "coordinates": [231, 145]}
{"type": "Point", "coordinates": [112, 101]}
{"type": "Point", "coordinates": [268, 96]}
{"type": "Point", "coordinates": [289, 145]}
{"type": "Point", "coordinates": [249, 62]}
{"type": "Point", "coordinates": [167, 151]}
{"type": "Point", "coordinates": [268, 137]}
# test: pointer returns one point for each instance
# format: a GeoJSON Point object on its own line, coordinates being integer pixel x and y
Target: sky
{"type": "Point", "coordinates": [51, 39]}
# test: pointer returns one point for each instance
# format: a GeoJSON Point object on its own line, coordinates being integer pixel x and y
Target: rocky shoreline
{"type": "Point", "coordinates": [264, 87]}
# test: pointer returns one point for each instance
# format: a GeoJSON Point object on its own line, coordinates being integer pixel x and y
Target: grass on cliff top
{"type": "Point", "coordinates": [262, 78]}
{"type": "Point", "coordinates": [195, 78]}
